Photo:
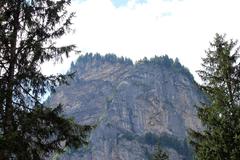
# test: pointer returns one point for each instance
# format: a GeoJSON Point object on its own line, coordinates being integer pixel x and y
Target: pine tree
{"type": "Point", "coordinates": [220, 138]}
{"type": "Point", "coordinates": [29, 130]}
{"type": "Point", "coordinates": [159, 154]}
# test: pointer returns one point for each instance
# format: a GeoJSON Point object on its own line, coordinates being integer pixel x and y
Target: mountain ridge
{"type": "Point", "coordinates": [133, 105]}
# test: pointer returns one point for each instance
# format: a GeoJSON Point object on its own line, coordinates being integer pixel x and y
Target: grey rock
{"type": "Point", "coordinates": [127, 102]}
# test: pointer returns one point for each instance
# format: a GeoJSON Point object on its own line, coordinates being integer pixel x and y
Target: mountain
{"type": "Point", "coordinates": [134, 106]}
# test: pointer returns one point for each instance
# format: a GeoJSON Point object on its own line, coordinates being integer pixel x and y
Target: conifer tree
{"type": "Point", "coordinates": [220, 138]}
{"type": "Point", "coordinates": [159, 154]}
{"type": "Point", "coordinates": [28, 32]}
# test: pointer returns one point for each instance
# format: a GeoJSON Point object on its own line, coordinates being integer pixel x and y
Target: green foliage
{"type": "Point", "coordinates": [162, 61]}
{"type": "Point", "coordinates": [181, 147]}
{"type": "Point", "coordinates": [110, 58]}
{"type": "Point", "coordinates": [220, 138]}
{"type": "Point", "coordinates": [28, 32]}
{"type": "Point", "coordinates": [165, 61]}
{"type": "Point", "coordinates": [168, 141]}
{"type": "Point", "coordinates": [150, 139]}
{"type": "Point", "coordinates": [164, 140]}
{"type": "Point", "coordinates": [159, 154]}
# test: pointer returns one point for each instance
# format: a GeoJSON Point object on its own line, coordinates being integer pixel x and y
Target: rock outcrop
{"type": "Point", "coordinates": [135, 106]}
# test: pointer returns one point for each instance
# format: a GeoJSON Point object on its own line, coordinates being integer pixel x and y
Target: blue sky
{"type": "Point", "coordinates": [144, 28]}
{"type": "Point", "coordinates": [119, 3]}
{"type": "Point", "coordinates": [122, 3]}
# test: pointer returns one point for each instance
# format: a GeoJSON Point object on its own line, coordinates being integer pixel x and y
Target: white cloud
{"type": "Point", "coordinates": [179, 28]}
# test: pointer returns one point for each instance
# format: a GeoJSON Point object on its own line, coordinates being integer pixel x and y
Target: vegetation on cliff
{"type": "Point", "coordinates": [159, 61]}
{"type": "Point", "coordinates": [165, 61]}
{"type": "Point", "coordinates": [110, 58]}
{"type": "Point", "coordinates": [159, 154]}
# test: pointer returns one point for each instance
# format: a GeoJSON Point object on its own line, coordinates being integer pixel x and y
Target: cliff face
{"type": "Point", "coordinates": [134, 107]}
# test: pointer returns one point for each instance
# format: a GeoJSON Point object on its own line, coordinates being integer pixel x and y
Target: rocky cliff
{"type": "Point", "coordinates": [135, 106]}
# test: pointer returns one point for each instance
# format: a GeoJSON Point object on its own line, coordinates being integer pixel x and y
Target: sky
{"type": "Point", "coordinates": [145, 28]}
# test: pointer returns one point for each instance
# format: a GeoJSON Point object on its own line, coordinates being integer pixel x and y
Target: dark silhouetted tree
{"type": "Point", "coordinates": [220, 139]}
{"type": "Point", "coordinates": [28, 129]}
{"type": "Point", "coordinates": [159, 154]}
